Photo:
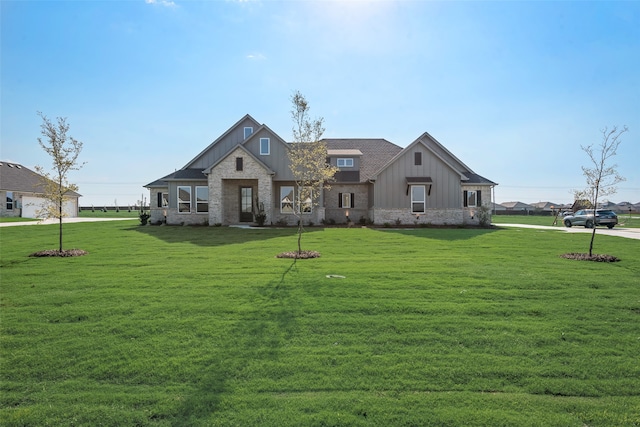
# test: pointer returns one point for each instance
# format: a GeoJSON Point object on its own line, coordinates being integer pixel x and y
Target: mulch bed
{"type": "Point", "coordinates": [62, 253]}
{"type": "Point", "coordinates": [594, 257]}
{"type": "Point", "coordinates": [299, 255]}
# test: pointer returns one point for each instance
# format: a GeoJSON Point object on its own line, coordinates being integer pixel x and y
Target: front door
{"type": "Point", "coordinates": [246, 204]}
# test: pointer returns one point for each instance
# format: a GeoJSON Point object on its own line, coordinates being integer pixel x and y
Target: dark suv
{"type": "Point", "coordinates": [585, 217]}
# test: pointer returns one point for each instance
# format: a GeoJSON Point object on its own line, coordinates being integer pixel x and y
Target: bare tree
{"type": "Point", "coordinates": [64, 151]}
{"type": "Point", "coordinates": [602, 178]}
{"type": "Point", "coordinates": [308, 160]}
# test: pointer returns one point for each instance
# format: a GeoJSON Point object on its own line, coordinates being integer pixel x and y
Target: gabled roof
{"type": "Point", "coordinates": [246, 116]}
{"type": "Point", "coordinates": [375, 153]}
{"type": "Point", "coordinates": [545, 205]}
{"type": "Point", "coordinates": [516, 205]}
{"type": "Point", "coordinates": [247, 152]}
{"type": "Point", "coordinates": [15, 177]}
{"type": "Point", "coordinates": [179, 175]}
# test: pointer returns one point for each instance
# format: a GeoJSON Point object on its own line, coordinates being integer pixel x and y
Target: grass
{"type": "Point", "coordinates": [203, 326]}
{"type": "Point", "coordinates": [624, 220]}
{"type": "Point", "coordinates": [16, 219]}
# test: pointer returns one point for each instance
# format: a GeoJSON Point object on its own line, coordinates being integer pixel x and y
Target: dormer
{"type": "Point", "coordinates": [348, 163]}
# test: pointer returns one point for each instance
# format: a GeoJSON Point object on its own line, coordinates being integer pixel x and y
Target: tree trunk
{"type": "Point", "coordinates": [60, 220]}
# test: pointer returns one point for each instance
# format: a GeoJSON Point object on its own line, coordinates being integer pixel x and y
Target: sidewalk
{"type": "Point", "coordinates": [64, 221]}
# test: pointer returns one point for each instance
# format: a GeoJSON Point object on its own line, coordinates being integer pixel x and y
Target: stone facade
{"type": "Point", "coordinates": [360, 209]}
{"type": "Point", "coordinates": [157, 214]}
{"type": "Point", "coordinates": [15, 211]}
{"type": "Point", "coordinates": [405, 217]}
{"type": "Point", "coordinates": [224, 186]}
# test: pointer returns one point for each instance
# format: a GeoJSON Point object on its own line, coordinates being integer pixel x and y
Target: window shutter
{"type": "Point", "coordinates": [464, 198]}
{"type": "Point", "coordinates": [339, 200]}
{"type": "Point", "coordinates": [353, 204]}
{"type": "Point", "coordinates": [160, 199]}
{"type": "Point", "coordinates": [478, 198]}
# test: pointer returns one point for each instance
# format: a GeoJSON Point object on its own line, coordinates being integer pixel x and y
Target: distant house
{"type": "Point", "coordinates": [247, 168]}
{"type": "Point", "coordinates": [546, 206]}
{"type": "Point", "coordinates": [517, 206]}
{"type": "Point", "coordinates": [21, 188]}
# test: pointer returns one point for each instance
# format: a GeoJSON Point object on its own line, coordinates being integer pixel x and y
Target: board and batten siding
{"type": "Point", "coordinates": [277, 160]}
{"type": "Point", "coordinates": [228, 142]}
{"type": "Point", "coordinates": [391, 184]}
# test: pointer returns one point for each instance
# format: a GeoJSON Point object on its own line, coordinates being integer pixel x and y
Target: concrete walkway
{"type": "Point", "coordinates": [629, 233]}
{"type": "Point", "coordinates": [64, 221]}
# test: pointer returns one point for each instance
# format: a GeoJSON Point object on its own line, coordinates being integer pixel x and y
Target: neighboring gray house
{"type": "Point", "coordinates": [517, 206]}
{"type": "Point", "coordinates": [21, 191]}
{"type": "Point", "coordinates": [546, 206]}
{"type": "Point", "coordinates": [247, 167]}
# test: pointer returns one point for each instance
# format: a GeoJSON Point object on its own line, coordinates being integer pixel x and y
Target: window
{"type": "Point", "coordinates": [286, 200]}
{"type": "Point", "coordinates": [345, 163]}
{"type": "Point", "coordinates": [472, 198]}
{"type": "Point", "coordinates": [418, 198]}
{"type": "Point", "coordinates": [306, 199]}
{"type": "Point", "coordinates": [247, 132]}
{"type": "Point", "coordinates": [265, 146]}
{"type": "Point", "coordinates": [184, 199]}
{"type": "Point", "coordinates": [163, 200]}
{"type": "Point", "coordinates": [9, 200]}
{"type": "Point", "coordinates": [346, 200]}
{"type": "Point", "coordinates": [289, 200]}
{"type": "Point", "coordinates": [239, 164]}
{"type": "Point", "coordinates": [417, 157]}
{"type": "Point", "coordinates": [202, 199]}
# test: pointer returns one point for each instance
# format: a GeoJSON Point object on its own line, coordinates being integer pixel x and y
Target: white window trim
{"type": "Point", "coordinates": [348, 200]}
{"type": "Point", "coordinates": [181, 201]}
{"type": "Point", "coordinates": [293, 204]}
{"type": "Point", "coordinates": [345, 162]}
{"type": "Point", "coordinates": [10, 203]}
{"type": "Point", "coordinates": [263, 153]}
{"type": "Point", "coordinates": [248, 129]}
{"type": "Point", "coordinates": [423, 201]}
{"type": "Point", "coordinates": [309, 204]}
{"type": "Point", "coordinates": [207, 201]}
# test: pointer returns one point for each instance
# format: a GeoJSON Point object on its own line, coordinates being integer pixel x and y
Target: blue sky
{"type": "Point", "coordinates": [512, 88]}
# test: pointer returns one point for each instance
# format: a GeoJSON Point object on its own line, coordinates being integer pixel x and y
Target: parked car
{"type": "Point", "coordinates": [585, 217]}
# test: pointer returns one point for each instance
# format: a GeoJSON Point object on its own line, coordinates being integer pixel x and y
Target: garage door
{"type": "Point", "coordinates": [31, 205]}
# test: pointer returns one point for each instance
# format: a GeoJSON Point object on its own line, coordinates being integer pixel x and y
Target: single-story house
{"type": "Point", "coordinates": [517, 206]}
{"type": "Point", "coordinates": [247, 167]}
{"type": "Point", "coordinates": [546, 206]}
{"type": "Point", "coordinates": [22, 190]}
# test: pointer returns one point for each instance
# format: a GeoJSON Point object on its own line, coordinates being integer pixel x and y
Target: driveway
{"type": "Point", "coordinates": [629, 233]}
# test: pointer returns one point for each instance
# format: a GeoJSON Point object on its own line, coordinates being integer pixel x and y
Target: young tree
{"type": "Point", "coordinates": [602, 178]}
{"type": "Point", "coordinates": [64, 151]}
{"type": "Point", "coordinates": [308, 160]}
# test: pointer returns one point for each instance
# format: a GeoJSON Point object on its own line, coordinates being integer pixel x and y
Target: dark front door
{"type": "Point", "coordinates": [246, 204]}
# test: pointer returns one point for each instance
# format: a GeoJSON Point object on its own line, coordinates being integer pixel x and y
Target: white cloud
{"type": "Point", "coordinates": [256, 57]}
{"type": "Point", "coordinates": [166, 3]}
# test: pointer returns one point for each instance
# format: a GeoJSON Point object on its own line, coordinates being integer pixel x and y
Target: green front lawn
{"type": "Point", "coordinates": [204, 326]}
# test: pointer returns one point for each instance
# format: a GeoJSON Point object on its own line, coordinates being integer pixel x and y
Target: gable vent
{"type": "Point", "coordinates": [10, 165]}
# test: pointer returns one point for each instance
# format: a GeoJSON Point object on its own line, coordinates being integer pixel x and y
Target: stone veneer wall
{"type": "Point", "coordinates": [156, 214]}
{"type": "Point", "coordinates": [15, 212]}
{"type": "Point", "coordinates": [338, 214]}
{"type": "Point", "coordinates": [226, 170]}
{"type": "Point", "coordinates": [431, 216]}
